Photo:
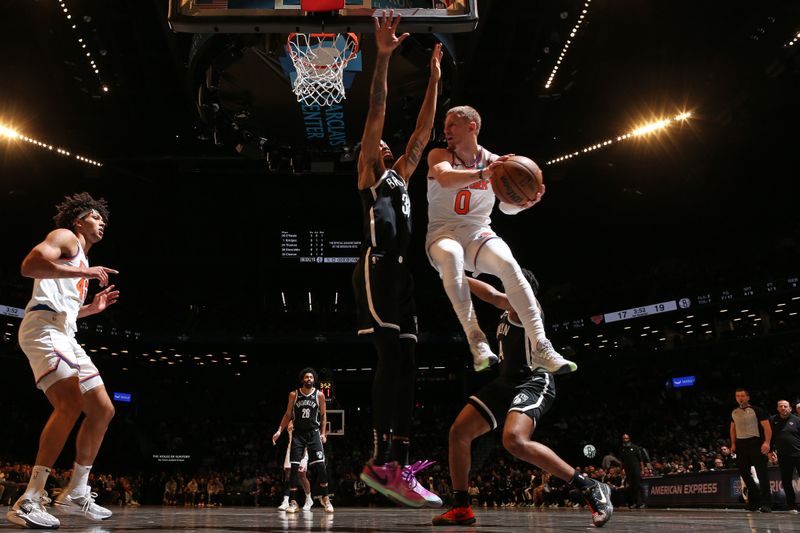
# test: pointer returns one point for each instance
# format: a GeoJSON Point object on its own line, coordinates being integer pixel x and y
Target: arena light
{"type": "Point", "coordinates": [8, 132]}
{"type": "Point", "coordinates": [794, 40]}
{"type": "Point", "coordinates": [14, 135]}
{"type": "Point", "coordinates": [567, 43]}
{"type": "Point", "coordinates": [83, 45]}
{"type": "Point", "coordinates": [641, 131]}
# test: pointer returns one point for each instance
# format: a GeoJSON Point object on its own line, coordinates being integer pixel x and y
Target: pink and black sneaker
{"type": "Point", "coordinates": [410, 475]}
{"type": "Point", "coordinates": [392, 481]}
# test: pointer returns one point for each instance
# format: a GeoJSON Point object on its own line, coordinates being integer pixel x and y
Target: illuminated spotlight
{"type": "Point", "coordinates": [82, 44]}
{"type": "Point", "coordinates": [8, 132]}
{"type": "Point", "coordinates": [13, 134]}
{"type": "Point", "coordinates": [794, 40]}
{"type": "Point", "coordinates": [572, 34]}
{"type": "Point", "coordinates": [638, 132]}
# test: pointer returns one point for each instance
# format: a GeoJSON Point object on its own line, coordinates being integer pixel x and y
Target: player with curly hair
{"type": "Point", "coordinates": [63, 371]}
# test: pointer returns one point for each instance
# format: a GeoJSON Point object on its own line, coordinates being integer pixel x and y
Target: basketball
{"type": "Point", "coordinates": [517, 181]}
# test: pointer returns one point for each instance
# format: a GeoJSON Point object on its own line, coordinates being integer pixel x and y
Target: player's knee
{"type": "Point", "coordinates": [320, 473]}
{"type": "Point", "coordinates": [294, 475]}
{"type": "Point", "coordinates": [68, 404]}
{"type": "Point", "coordinates": [514, 443]}
{"type": "Point", "coordinates": [107, 412]}
{"type": "Point", "coordinates": [458, 433]}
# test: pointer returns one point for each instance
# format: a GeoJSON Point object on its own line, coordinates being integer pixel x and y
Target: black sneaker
{"type": "Point", "coordinates": [598, 497]}
{"type": "Point", "coordinates": [765, 509]}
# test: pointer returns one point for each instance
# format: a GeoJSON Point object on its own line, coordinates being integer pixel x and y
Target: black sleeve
{"type": "Point", "coordinates": [644, 455]}
{"type": "Point", "coordinates": [772, 420]}
{"type": "Point", "coordinates": [761, 414]}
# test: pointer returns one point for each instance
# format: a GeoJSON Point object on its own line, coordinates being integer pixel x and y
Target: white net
{"type": "Point", "coordinates": [319, 62]}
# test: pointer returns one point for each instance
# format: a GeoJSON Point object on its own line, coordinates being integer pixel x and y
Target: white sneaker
{"type": "Point", "coordinates": [284, 504]}
{"type": "Point", "coordinates": [30, 512]}
{"type": "Point", "coordinates": [545, 356]}
{"type": "Point", "coordinates": [309, 503]}
{"type": "Point", "coordinates": [326, 504]}
{"type": "Point", "coordinates": [81, 502]}
{"type": "Point", "coordinates": [293, 508]}
{"type": "Point", "coordinates": [482, 355]}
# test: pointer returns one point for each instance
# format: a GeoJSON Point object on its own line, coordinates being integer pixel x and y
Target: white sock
{"type": "Point", "coordinates": [37, 482]}
{"type": "Point", "coordinates": [285, 499]}
{"type": "Point", "coordinates": [496, 259]}
{"type": "Point", "coordinates": [79, 479]}
{"type": "Point", "coordinates": [308, 495]}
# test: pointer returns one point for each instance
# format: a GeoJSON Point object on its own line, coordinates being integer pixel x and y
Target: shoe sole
{"type": "Point", "coordinates": [491, 362]}
{"type": "Point", "coordinates": [17, 520]}
{"type": "Point", "coordinates": [378, 486]}
{"type": "Point", "coordinates": [609, 510]}
{"type": "Point", "coordinates": [467, 522]}
{"type": "Point", "coordinates": [565, 369]}
{"type": "Point", "coordinates": [73, 510]}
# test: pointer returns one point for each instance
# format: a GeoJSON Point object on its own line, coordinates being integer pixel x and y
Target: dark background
{"type": "Point", "coordinates": [697, 209]}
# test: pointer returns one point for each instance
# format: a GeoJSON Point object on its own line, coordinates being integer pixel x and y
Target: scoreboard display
{"type": "Point", "coordinates": [319, 246]}
{"type": "Point", "coordinates": [326, 386]}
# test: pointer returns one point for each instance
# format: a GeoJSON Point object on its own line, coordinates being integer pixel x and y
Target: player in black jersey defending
{"type": "Point", "coordinates": [515, 400]}
{"type": "Point", "coordinates": [382, 284]}
{"type": "Point", "coordinates": [306, 410]}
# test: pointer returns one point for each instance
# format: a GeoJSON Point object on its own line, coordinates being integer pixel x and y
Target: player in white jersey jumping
{"type": "Point", "coordinates": [460, 202]}
{"type": "Point", "coordinates": [62, 370]}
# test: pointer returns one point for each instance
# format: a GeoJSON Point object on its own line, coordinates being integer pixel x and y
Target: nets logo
{"type": "Point", "coordinates": [519, 398]}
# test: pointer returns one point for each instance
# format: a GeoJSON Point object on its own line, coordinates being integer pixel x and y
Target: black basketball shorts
{"type": "Point", "coordinates": [532, 395]}
{"type": "Point", "coordinates": [384, 292]}
{"type": "Point", "coordinates": [311, 440]}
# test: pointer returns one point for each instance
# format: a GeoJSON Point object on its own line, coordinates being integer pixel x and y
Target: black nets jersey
{"type": "Point", "coordinates": [306, 411]}
{"type": "Point", "coordinates": [515, 348]}
{"type": "Point", "coordinates": [387, 215]}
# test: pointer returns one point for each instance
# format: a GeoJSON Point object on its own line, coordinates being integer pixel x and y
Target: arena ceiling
{"type": "Point", "coordinates": [195, 224]}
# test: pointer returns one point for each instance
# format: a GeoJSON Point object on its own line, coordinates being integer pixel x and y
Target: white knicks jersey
{"type": "Point", "coordinates": [470, 205]}
{"type": "Point", "coordinates": [62, 295]}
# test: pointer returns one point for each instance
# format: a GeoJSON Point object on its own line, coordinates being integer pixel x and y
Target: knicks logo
{"type": "Point", "coordinates": [519, 398]}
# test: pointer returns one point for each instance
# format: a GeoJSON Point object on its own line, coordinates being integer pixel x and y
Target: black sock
{"type": "Point", "coordinates": [460, 498]}
{"type": "Point", "coordinates": [579, 481]}
{"type": "Point", "coordinates": [400, 447]}
{"type": "Point", "coordinates": [383, 447]}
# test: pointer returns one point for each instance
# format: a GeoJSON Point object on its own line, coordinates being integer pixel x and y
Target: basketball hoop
{"type": "Point", "coordinates": [319, 61]}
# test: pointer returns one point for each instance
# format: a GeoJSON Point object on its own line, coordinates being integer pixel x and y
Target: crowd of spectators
{"type": "Point", "coordinates": [229, 460]}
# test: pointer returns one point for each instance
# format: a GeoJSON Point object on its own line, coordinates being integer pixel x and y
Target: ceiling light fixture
{"type": "Point", "coordinates": [82, 44]}
{"type": "Point", "coordinates": [14, 135]}
{"type": "Point", "coordinates": [638, 132]}
{"type": "Point", "coordinates": [563, 54]}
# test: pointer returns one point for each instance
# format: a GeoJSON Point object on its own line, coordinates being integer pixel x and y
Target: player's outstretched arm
{"type": "Point", "coordinates": [407, 164]}
{"type": "Point", "coordinates": [41, 261]}
{"type": "Point", "coordinates": [370, 161]}
{"type": "Point", "coordinates": [102, 300]}
{"type": "Point", "coordinates": [287, 417]}
{"type": "Point", "coordinates": [323, 410]}
{"type": "Point", "coordinates": [489, 294]}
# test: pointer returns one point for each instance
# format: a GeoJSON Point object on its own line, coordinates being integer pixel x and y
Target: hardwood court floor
{"type": "Point", "coordinates": [348, 519]}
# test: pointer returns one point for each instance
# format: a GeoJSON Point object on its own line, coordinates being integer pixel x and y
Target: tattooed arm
{"type": "Point", "coordinates": [408, 162]}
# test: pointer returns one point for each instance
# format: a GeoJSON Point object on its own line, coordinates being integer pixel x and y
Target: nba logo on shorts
{"type": "Point", "coordinates": [519, 398]}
